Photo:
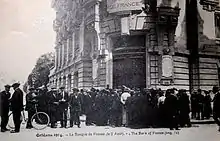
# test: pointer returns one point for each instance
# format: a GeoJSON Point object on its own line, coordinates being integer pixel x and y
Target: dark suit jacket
{"type": "Point", "coordinates": [216, 104]}
{"type": "Point", "coordinates": [53, 101]}
{"type": "Point", "coordinates": [63, 104]}
{"type": "Point", "coordinates": [4, 101]}
{"type": "Point", "coordinates": [17, 100]}
{"type": "Point", "coordinates": [30, 101]}
{"type": "Point", "coordinates": [87, 103]}
{"type": "Point", "coordinates": [75, 103]}
{"type": "Point", "coordinates": [171, 105]}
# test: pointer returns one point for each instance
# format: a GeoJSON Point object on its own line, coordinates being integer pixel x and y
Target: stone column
{"type": "Point", "coordinates": [81, 36]}
{"type": "Point", "coordinates": [85, 74]}
{"type": "Point", "coordinates": [67, 51]}
{"type": "Point", "coordinates": [72, 80]}
{"type": "Point", "coordinates": [70, 49]}
{"type": "Point", "coordinates": [109, 70]}
{"type": "Point", "coordinates": [64, 52]}
{"type": "Point", "coordinates": [102, 71]}
{"type": "Point", "coordinates": [55, 81]}
{"type": "Point", "coordinates": [61, 80]}
{"type": "Point", "coordinates": [61, 55]}
{"type": "Point", "coordinates": [109, 63]}
{"type": "Point", "coordinates": [56, 58]}
{"type": "Point", "coordinates": [67, 83]}
{"type": "Point", "coordinates": [148, 78]}
{"type": "Point", "coordinates": [58, 82]}
{"type": "Point", "coordinates": [73, 46]}
{"type": "Point", "coordinates": [97, 24]}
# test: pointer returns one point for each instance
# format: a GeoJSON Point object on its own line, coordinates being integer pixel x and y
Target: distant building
{"type": "Point", "coordinates": [115, 43]}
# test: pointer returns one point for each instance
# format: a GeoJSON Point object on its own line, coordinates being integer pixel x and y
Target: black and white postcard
{"type": "Point", "coordinates": [108, 70]}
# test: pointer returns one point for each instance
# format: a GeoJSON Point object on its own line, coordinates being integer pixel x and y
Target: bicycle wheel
{"type": "Point", "coordinates": [40, 120]}
{"type": "Point", "coordinates": [10, 121]}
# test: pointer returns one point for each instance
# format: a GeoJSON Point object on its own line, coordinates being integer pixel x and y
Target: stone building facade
{"type": "Point", "coordinates": [102, 43]}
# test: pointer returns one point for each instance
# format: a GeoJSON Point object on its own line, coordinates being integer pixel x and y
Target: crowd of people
{"type": "Point", "coordinates": [134, 108]}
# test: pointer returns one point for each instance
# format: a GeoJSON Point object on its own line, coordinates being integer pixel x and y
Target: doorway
{"type": "Point", "coordinates": [129, 61]}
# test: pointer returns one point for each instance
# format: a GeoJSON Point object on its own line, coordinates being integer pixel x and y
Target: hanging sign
{"type": "Point", "coordinates": [123, 5]}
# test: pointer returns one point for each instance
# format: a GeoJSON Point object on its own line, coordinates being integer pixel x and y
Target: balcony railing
{"type": "Point", "coordinates": [210, 5]}
{"type": "Point", "coordinates": [209, 2]}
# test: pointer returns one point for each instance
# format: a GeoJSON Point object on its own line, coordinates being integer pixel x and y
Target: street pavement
{"type": "Point", "coordinates": [199, 132]}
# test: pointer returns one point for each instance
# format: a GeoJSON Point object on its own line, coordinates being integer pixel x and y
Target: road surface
{"type": "Point", "coordinates": [203, 132]}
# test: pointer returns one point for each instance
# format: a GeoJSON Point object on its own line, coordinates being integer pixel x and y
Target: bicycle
{"type": "Point", "coordinates": [39, 121]}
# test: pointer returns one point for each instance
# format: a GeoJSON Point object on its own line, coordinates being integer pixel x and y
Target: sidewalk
{"type": "Point", "coordinates": [205, 121]}
{"type": "Point", "coordinates": [193, 121]}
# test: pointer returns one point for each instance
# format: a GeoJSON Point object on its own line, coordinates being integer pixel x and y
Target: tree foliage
{"type": "Point", "coordinates": [40, 73]}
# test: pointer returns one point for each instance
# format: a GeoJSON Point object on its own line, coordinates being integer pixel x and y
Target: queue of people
{"type": "Point", "coordinates": [134, 108]}
{"type": "Point", "coordinates": [120, 107]}
{"type": "Point", "coordinates": [201, 105]}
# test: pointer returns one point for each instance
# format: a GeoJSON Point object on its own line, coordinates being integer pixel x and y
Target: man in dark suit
{"type": "Point", "coordinates": [17, 106]}
{"type": "Point", "coordinates": [184, 108]}
{"type": "Point", "coordinates": [171, 108]}
{"type": "Point", "coordinates": [194, 104]}
{"type": "Point", "coordinates": [43, 100]}
{"type": "Point", "coordinates": [53, 102]}
{"type": "Point", "coordinates": [75, 108]}
{"type": "Point", "coordinates": [63, 106]}
{"type": "Point", "coordinates": [4, 97]}
{"type": "Point", "coordinates": [88, 104]}
{"type": "Point", "coordinates": [115, 109]}
{"type": "Point", "coordinates": [216, 106]}
{"type": "Point", "coordinates": [31, 99]}
{"type": "Point", "coordinates": [200, 100]}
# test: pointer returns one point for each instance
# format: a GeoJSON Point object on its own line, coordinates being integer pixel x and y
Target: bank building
{"type": "Point", "coordinates": [135, 43]}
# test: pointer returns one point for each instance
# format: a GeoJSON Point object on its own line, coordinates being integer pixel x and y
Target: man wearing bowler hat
{"type": "Point", "coordinates": [4, 105]}
{"type": "Point", "coordinates": [17, 106]}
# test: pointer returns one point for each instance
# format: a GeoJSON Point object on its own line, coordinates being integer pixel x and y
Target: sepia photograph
{"type": "Point", "coordinates": [106, 70]}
